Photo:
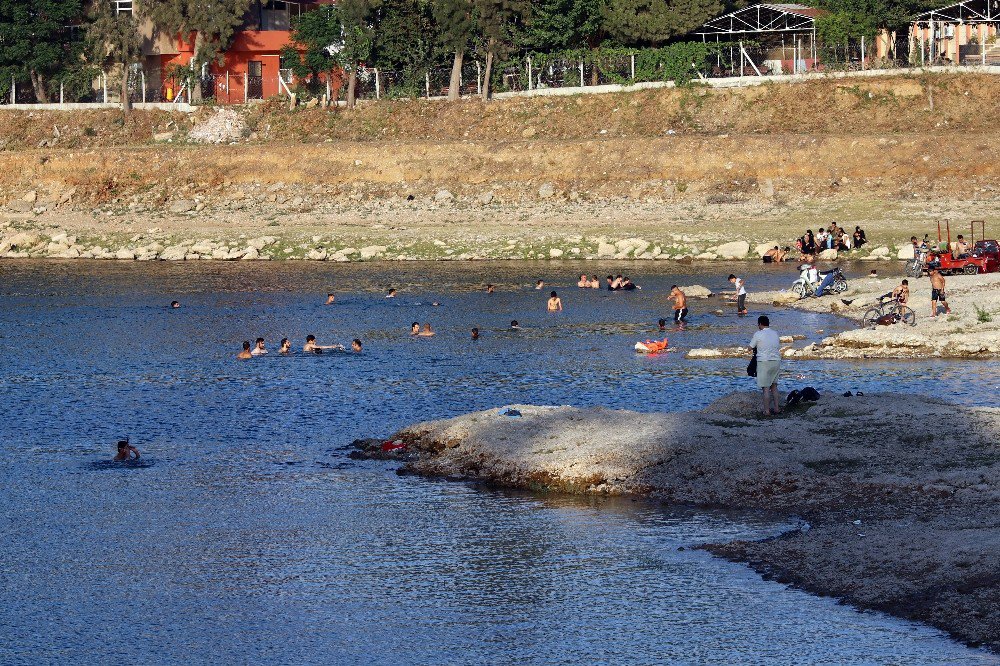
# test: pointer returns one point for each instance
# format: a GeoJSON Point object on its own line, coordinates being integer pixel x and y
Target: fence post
{"type": "Point", "coordinates": [328, 93]}
{"type": "Point", "coordinates": [633, 68]}
{"type": "Point", "coordinates": [582, 82]}
{"type": "Point", "coordinates": [862, 53]}
{"type": "Point", "coordinates": [104, 84]}
{"type": "Point", "coordinates": [143, 86]}
{"type": "Point", "coordinates": [479, 79]}
{"type": "Point", "coordinates": [427, 83]}
{"type": "Point", "coordinates": [378, 86]}
{"type": "Point", "coordinates": [61, 98]}
{"type": "Point", "coordinates": [246, 86]}
{"type": "Point", "coordinates": [228, 100]}
{"type": "Point", "coordinates": [13, 90]}
{"type": "Point", "coordinates": [529, 73]}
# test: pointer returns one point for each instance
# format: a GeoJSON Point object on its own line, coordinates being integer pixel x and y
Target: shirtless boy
{"type": "Point", "coordinates": [680, 304]}
{"type": "Point", "coordinates": [937, 293]}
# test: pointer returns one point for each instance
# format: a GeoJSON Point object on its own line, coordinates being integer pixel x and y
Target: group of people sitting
{"type": "Point", "coordinates": [613, 282]}
{"type": "Point", "coordinates": [833, 238]}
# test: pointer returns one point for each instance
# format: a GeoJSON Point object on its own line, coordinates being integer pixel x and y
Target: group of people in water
{"type": "Point", "coordinates": [311, 346]}
{"type": "Point", "coordinates": [613, 283]}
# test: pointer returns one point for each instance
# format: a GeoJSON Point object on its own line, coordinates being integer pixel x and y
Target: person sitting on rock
{"type": "Point", "coordinates": [859, 237]}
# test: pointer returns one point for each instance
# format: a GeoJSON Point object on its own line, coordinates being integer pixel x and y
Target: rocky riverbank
{"type": "Point", "coordinates": [971, 330]}
{"type": "Point", "coordinates": [900, 518]}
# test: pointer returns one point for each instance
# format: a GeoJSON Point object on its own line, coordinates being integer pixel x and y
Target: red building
{"type": "Point", "coordinates": [251, 66]}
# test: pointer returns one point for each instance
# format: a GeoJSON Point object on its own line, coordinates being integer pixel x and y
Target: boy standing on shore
{"type": "Point", "coordinates": [937, 293]}
{"type": "Point", "coordinates": [741, 294]}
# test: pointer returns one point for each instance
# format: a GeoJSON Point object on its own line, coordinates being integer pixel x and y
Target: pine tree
{"type": "Point", "coordinates": [116, 40]}
{"type": "Point", "coordinates": [653, 22]}
{"type": "Point", "coordinates": [497, 22]}
{"type": "Point", "coordinates": [404, 39]}
{"type": "Point", "coordinates": [558, 25]}
{"type": "Point", "coordinates": [358, 33]}
{"type": "Point", "coordinates": [212, 23]}
{"type": "Point", "coordinates": [456, 28]}
{"type": "Point", "coordinates": [35, 40]}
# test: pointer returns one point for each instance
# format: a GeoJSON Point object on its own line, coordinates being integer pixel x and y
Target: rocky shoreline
{"type": "Point", "coordinates": [900, 518]}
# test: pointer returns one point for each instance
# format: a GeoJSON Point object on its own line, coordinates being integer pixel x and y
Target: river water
{"type": "Point", "coordinates": [246, 534]}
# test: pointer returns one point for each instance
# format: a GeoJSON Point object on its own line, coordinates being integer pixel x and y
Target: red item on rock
{"type": "Point", "coordinates": [393, 446]}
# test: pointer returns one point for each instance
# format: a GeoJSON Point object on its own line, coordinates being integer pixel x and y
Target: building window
{"type": "Point", "coordinates": [123, 6]}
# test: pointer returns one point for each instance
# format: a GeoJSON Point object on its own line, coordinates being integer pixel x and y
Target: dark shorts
{"type": "Point", "coordinates": [741, 302]}
{"type": "Point", "coordinates": [938, 295]}
{"type": "Point", "coordinates": [680, 315]}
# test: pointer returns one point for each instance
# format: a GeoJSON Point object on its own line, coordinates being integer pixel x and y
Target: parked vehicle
{"type": "Point", "coordinates": [810, 279]}
{"type": "Point", "coordinates": [983, 257]}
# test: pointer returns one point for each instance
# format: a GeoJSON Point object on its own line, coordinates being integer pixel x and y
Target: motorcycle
{"type": "Point", "coordinates": [810, 279]}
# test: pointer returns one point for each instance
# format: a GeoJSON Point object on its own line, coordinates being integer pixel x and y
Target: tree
{"type": "Point", "coordinates": [405, 40]}
{"type": "Point", "coordinates": [212, 24]}
{"type": "Point", "coordinates": [35, 40]}
{"type": "Point", "coordinates": [560, 25]}
{"type": "Point", "coordinates": [316, 34]}
{"type": "Point", "coordinates": [853, 19]}
{"type": "Point", "coordinates": [116, 40]}
{"type": "Point", "coordinates": [497, 22]}
{"type": "Point", "coordinates": [456, 28]}
{"type": "Point", "coordinates": [356, 45]}
{"type": "Point", "coordinates": [653, 22]}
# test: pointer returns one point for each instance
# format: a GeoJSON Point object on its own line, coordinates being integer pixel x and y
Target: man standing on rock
{"type": "Point", "coordinates": [741, 294]}
{"type": "Point", "coordinates": [937, 293]}
{"type": "Point", "coordinates": [768, 347]}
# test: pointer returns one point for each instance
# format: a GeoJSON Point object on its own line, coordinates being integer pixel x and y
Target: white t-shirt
{"type": "Point", "coordinates": [741, 290]}
{"type": "Point", "coordinates": [767, 344]}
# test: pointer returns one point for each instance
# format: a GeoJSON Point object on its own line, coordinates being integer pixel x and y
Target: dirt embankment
{"type": "Point", "coordinates": [901, 519]}
{"type": "Point", "coordinates": [755, 164]}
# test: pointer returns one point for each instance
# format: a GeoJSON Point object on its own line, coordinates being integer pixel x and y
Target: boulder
{"type": "Point", "coordinates": [696, 291]}
{"type": "Point", "coordinates": [372, 251]}
{"type": "Point", "coordinates": [546, 191]}
{"type": "Point", "coordinates": [528, 132]}
{"type": "Point", "coordinates": [173, 253]}
{"type": "Point", "coordinates": [605, 250]}
{"type": "Point", "coordinates": [555, 253]}
{"type": "Point", "coordinates": [262, 242]}
{"type": "Point", "coordinates": [785, 297]}
{"type": "Point", "coordinates": [203, 247]}
{"type": "Point", "coordinates": [827, 255]}
{"type": "Point", "coordinates": [905, 253]}
{"type": "Point", "coordinates": [20, 241]}
{"type": "Point", "coordinates": [125, 254]}
{"type": "Point", "coordinates": [183, 206]}
{"type": "Point", "coordinates": [767, 188]}
{"type": "Point", "coordinates": [443, 195]}
{"type": "Point", "coordinates": [160, 137]}
{"type": "Point", "coordinates": [734, 250]}
{"type": "Point", "coordinates": [31, 197]}
{"type": "Point", "coordinates": [882, 251]}
{"type": "Point", "coordinates": [20, 206]}
{"type": "Point", "coordinates": [316, 255]}
{"type": "Point", "coordinates": [251, 254]}
{"type": "Point", "coordinates": [762, 248]}
{"type": "Point", "coordinates": [485, 198]}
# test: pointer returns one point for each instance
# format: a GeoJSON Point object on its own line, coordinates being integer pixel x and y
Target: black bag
{"type": "Point", "coordinates": [752, 366]}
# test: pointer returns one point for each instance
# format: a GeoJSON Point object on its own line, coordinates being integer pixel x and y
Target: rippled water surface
{"type": "Point", "coordinates": [246, 535]}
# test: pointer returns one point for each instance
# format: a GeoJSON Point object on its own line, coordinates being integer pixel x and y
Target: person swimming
{"type": "Point", "coordinates": [258, 349]}
{"type": "Point", "coordinates": [555, 303]}
{"type": "Point", "coordinates": [245, 354]}
{"type": "Point", "coordinates": [391, 294]}
{"type": "Point", "coordinates": [330, 299]}
{"type": "Point", "coordinates": [126, 451]}
{"type": "Point", "coordinates": [311, 345]}
{"type": "Point", "coordinates": [415, 328]}
{"type": "Point", "coordinates": [490, 289]}
{"type": "Point", "coordinates": [628, 285]}
{"type": "Point", "coordinates": [426, 331]}
{"type": "Point", "coordinates": [584, 282]}
{"type": "Point", "coordinates": [175, 304]}
{"type": "Point", "coordinates": [356, 346]}
{"type": "Point", "coordinates": [539, 284]}
{"type": "Point", "coordinates": [286, 346]}
{"type": "Point", "coordinates": [662, 324]}
{"type": "Point", "coordinates": [475, 333]}
{"type": "Point", "coordinates": [514, 325]}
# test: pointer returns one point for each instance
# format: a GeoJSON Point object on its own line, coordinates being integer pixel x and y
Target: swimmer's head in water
{"type": "Point", "coordinates": [310, 338]}
{"type": "Point", "coordinates": [356, 345]}
{"type": "Point", "coordinates": [174, 304]}
{"type": "Point", "coordinates": [514, 324]}
{"type": "Point", "coordinates": [260, 341]}
{"type": "Point", "coordinates": [662, 323]}
{"type": "Point", "coordinates": [415, 326]}
{"type": "Point", "coordinates": [246, 345]}
{"type": "Point", "coordinates": [122, 444]}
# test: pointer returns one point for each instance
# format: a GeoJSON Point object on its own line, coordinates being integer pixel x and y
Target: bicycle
{"type": "Point", "coordinates": [888, 311]}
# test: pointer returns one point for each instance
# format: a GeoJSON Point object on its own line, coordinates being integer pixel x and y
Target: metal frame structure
{"type": "Point", "coordinates": [784, 20]}
{"type": "Point", "coordinates": [943, 23]}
